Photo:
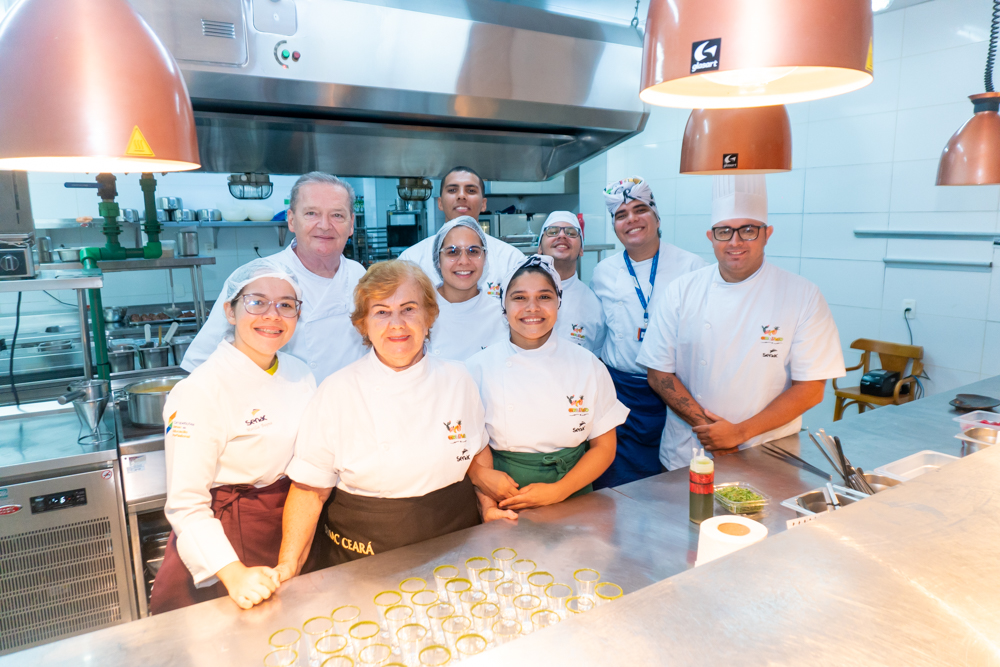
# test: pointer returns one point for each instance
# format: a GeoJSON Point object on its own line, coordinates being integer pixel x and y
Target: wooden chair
{"type": "Point", "coordinates": [893, 357]}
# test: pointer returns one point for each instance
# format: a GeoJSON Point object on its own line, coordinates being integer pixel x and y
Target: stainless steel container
{"type": "Point", "coordinates": [187, 244]}
{"type": "Point", "coordinates": [161, 215]}
{"type": "Point", "coordinates": [152, 355]}
{"type": "Point", "coordinates": [169, 203]}
{"type": "Point", "coordinates": [179, 345]}
{"type": "Point", "coordinates": [147, 398]}
{"type": "Point", "coordinates": [121, 356]}
{"type": "Point", "coordinates": [44, 244]}
{"type": "Point", "coordinates": [114, 313]}
{"type": "Point", "coordinates": [68, 254]}
{"type": "Point", "coordinates": [184, 215]}
{"type": "Point", "coordinates": [131, 215]}
{"type": "Point", "coordinates": [210, 215]}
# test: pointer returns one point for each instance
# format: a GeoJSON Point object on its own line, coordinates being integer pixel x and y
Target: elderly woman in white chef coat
{"type": "Point", "coordinates": [230, 432]}
{"type": "Point", "coordinates": [551, 407]}
{"type": "Point", "coordinates": [391, 436]}
{"type": "Point", "coordinates": [469, 318]}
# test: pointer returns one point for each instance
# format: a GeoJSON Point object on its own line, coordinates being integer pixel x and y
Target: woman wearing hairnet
{"type": "Point", "coordinates": [470, 319]}
{"type": "Point", "coordinates": [230, 433]}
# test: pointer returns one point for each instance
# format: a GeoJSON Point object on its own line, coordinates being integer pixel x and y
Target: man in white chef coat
{"type": "Point", "coordinates": [463, 192]}
{"type": "Point", "coordinates": [581, 318]}
{"type": "Point", "coordinates": [738, 350]}
{"type": "Point", "coordinates": [628, 284]}
{"type": "Point", "coordinates": [321, 215]}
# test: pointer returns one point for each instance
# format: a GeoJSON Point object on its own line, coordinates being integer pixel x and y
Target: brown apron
{"type": "Point", "coordinates": [251, 519]}
{"type": "Point", "coordinates": [358, 526]}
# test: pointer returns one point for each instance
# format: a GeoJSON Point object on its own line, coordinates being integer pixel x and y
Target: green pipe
{"type": "Point", "coordinates": [101, 366]}
{"type": "Point", "coordinates": [153, 249]}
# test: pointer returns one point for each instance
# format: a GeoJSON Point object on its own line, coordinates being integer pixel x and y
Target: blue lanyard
{"type": "Point", "coordinates": [635, 282]}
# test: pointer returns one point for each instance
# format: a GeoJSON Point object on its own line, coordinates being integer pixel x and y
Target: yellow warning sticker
{"type": "Point", "coordinates": [868, 61]}
{"type": "Point", "coordinates": [137, 145]}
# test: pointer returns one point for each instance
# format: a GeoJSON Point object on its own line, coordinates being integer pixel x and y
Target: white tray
{"type": "Point", "coordinates": [915, 465]}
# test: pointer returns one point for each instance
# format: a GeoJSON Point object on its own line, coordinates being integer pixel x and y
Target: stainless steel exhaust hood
{"type": "Point", "coordinates": [398, 88]}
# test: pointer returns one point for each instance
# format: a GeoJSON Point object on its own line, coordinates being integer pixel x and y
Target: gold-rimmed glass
{"type": "Point", "coordinates": [442, 575]}
{"type": "Point", "coordinates": [470, 599]}
{"type": "Point", "coordinates": [435, 656]}
{"type": "Point", "coordinates": [470, 645]}
{"type": "Point", "coordinates": [285, 638]}
{"type": "Point", "coordinates": [474, 565]}
{"type": "Point", "coordinates": [502, 560]}
{"type": "Point", "coordinates": [331, 644]}
{"type": "Point", "coordinates": [455, 588]}
{"type": "Point", "coordinates": [506, 592]}
{"type": "Point", "coordinates": [454, 627]}
{"type": "Point", "coordinates": [436, 614]}
{"type": "Point", "coordinates": [506, 630]}
{"type": "Point", "coordinates": [422, 601]}
{"type": "Point", "coordinates": [411, 585]}
{"type": "Point", "coordinates": [521, 568]}
{"type": "Point", "coordinates": [544, 618]}
{"type": "Point", "coordinates": [344, 617]}
{"type": "Point", "coordinates": [556, 596]}
{"type": "Point", "coordinates": [538, 581]}
{"type": "Point", "coordinates": [364, 633]}
{"type": "Point", "coordinates": [411, 639]}
{"type": "Point", "coordinates": [488, 579]}
{"type": "Point", "coordinates": [606, 591]}
{"type": "Point", "coordinates": [338, 661]}
{"type": "Point", "coordinates": [374, 655]}
{"type": "Point", "coordinates": [484, 615]}
{"type": "Point", "coordinates": [383, 601]}
{"type": "Point", "coordinates": [281, 657]}
{"type": "Point", "coordinates": [313, 629]}
{"type": "Point", "coordinates": [579, 604]}
{"type": "Point", "coordinates": [586, 579]}
{"type": "Point", "coordinates": [525, 605]}
{"type": "Point", "coordinates": [395, 618]}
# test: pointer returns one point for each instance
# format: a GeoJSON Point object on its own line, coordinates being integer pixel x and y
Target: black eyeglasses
{"type": "Point", "coordinates": [571, 232]}
{"type": "Point", "coordinates": [258, 305]}
{"type": "Point", "coordinates": [746, 232]}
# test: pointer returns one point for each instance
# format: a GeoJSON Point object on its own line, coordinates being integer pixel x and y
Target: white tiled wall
{"type": "Point", "coordinates": [866, 160]}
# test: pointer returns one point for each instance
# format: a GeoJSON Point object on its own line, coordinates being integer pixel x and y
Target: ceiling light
{"type": "Point", "coordinates": [737, 141]}
{"type": "Point", "coordinates": [90, 88]}
{"type": "Point", "coordinates": [880, 5]}
{"type": "Point", "coordinates": [717, 54]}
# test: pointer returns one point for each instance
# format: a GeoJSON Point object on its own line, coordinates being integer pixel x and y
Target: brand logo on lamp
{"type": "Point", "coordinates": [705, 55]}
{"type": "Point", "coordinates": [730, 160]}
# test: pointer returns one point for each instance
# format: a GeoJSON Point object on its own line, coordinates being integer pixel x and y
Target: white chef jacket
{"type": "Point", "coordinates": [229, 422]}
{"type": "Point", "coordinates": [581, 318]}
{"type": "Point", "coordinates": [737, 346]}
{"type": "Point", "coordinates": [462, 329]}
{"type": "Point", "coordinates": [501, 259]}
{"type": "Point", "coordinates": [324, 338]}
{"type": "Point", "coordinates": [375, 432]}
{"type": "Point", "coordinates": [613, 285]}
{"type": "Point", "coordinates": [544, 400]}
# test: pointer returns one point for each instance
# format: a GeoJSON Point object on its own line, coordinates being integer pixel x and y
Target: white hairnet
{"type": "Point", "coordinates": [460, 221]}
{"type": "Point", "coordinates": [743, 196]}
{"type": "Point", "coordinates": [258, 268]}
{"type": "Point", "coordinates": [563, 217]}
{"type": "Point", "coordinates": [542, 261]}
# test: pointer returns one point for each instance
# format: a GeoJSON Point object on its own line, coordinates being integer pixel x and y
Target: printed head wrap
{"type": "Point", "coordinates": [626, 190]}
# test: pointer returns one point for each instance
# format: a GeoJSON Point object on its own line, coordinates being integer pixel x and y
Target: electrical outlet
{"type": "Point", "coordinates": [207, 248]}
{"type": "Point", "coordinates": [912, 305]}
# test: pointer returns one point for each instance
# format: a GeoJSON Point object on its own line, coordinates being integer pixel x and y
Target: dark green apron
{"type": "Point", "coordinates": [534, 468]}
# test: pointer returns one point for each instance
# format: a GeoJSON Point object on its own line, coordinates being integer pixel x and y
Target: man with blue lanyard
{"type": "Point", "coordinates": [627, 285]}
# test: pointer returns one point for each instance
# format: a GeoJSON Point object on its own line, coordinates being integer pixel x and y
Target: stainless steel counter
{"type": "Point", "coordinates": [39, 443]}
{"type": "Point", "coordinates": [909, 574]}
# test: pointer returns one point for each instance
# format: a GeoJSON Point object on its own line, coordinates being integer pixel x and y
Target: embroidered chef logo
{"type": "Point", "coordinates": [464, 456]}
{"type": "Point", "coordinates": [705, 55]}
{"type": "Point", "coordinates": [773, 354]}
{"type": "Point", "coordinates": [177, 428]}
{"type": "Point", "coordinates": [493, 289]}
{"type": "Point", "coordinates": [770, 336]}
{"type": "Point", "coordinates": [580, 427]}
{"type": "Point", "coordinates": [257, 420]}
{"type": "Point", "coordinates": [576, 405]}
{"type": "Point", "coordinates": [576, 333]}
{"type": "Point", "coordinates": [455, 430]}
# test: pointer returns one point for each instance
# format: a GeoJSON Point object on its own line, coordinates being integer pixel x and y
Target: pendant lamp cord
{"type": "Point", "coordinates": [992, 54]}
{"type": "Point", "coordinates": [635, 19]}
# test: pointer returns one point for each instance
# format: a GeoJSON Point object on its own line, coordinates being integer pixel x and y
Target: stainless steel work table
{"type": "Point", "coordinates": [908, 577]}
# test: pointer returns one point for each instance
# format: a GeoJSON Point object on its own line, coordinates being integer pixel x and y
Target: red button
{"type": "Point", "coordinates": [296, 55]}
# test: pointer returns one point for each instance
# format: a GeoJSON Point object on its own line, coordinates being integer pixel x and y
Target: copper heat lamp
{"type": "Point", "coordinates": [86, 86]}
{"type": "Point", "coordinates": [737, 141]}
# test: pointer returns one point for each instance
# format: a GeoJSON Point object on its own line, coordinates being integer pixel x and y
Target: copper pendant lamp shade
{"type": "Point", "coordinates": [87, 87]}
{"type": "Point", "coordinates": [723, 54]}
{"type": "Point", "coordinates": [737, 141]}
{"type": "Point", "coordinates": [972, 156]}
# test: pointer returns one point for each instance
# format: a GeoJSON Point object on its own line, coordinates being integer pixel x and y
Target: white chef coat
{"type": "Point", "coordinates": [581, 318]}
{"type": "Point", "coordinates": [737, 346]}
{"type": "Point", "coordinates": [462, 329]}
{"type": "Point", "coordinates": [501, 259]}
{"type": "Point", "coordinates": [324, 338]}
{"type": "Point", "coordinates": [229, 422]}
{"type": "Point", "coordinates": [613, 285]}
{"type": "Point", "coordinates": [544, 400]}
{"type": "Point", "coordinates": [375, 432]}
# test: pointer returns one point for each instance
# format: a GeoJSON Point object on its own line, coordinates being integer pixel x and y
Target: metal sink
{"type": "Point", "coordinates": [814, 502]}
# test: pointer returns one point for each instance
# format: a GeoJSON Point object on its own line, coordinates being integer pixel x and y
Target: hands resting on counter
{"type": "Point", "coordinates": [249, 586]}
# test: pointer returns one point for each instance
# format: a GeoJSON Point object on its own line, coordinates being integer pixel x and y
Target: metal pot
{"type": "Point", "coordinates": [121, 356]}
{"type": "Point", "coordinates": [184, 215]}
{"type": "Point", "coordinates": [179, 345]}
{"type": "Point", "coordinates": [130, 215]}
{"type": "Point", "coordinates": [187, 244]}
{"type": "Point", "coordinates": [152, 355]}
{"type": "Point", "coordinates": [68, 254]}
{"type": "Point", "coordinates": [147, 398]}
{"type": "Point", "coordinates": [209, 215]}
{"type": "Point", "coordinates": [114, 313]}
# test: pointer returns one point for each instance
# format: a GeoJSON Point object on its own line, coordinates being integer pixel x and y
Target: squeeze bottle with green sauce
{"type": "Point", "coordinates": [702, 486]}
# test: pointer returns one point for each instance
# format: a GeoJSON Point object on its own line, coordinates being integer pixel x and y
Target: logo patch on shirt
{"type": "Point", "coordinates": [177, 428]}
{"type": "Point", "coordinates": [582, 426]}
{"type": "Point", "coordinates": [773, 354]}
{"type": "Point", "coordinates": [257, 421]}
{"type": "Point", "coordinates": [455, 430]}
{"type": "Point", "coordinates": [576, 333]}
{"type": "Point", "coordinates": [493, 289]}
{"type": "Point", "coordinates": [576, 405]}
{"type": "Point", "coordinates": [464, 456]}
{"type": "Point", "coordinates": [771, 336]}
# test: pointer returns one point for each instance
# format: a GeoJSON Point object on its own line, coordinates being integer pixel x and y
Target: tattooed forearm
{"type": "Point", "coordinates": [677, 397]}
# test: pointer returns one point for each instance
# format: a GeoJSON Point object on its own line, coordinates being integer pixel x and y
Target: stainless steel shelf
{"type": "Point", "coordinates": [115, 266]}
{"type": "Point", "coordinates": [55, 277]}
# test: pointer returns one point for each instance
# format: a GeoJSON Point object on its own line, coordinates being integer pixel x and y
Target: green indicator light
{"type": "Point", "coordinates": [285, 54]}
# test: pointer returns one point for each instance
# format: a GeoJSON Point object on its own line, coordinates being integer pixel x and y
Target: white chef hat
{"type": "Point", "coordinates": [460, 221]}
{"type": "Point", "coordinates": [258, 268]}
{"type": "Point", "coordinates": [542, 261]}
{"type": "Point", "coordinates": [561, 218]}
{"type": "Point", "coordinates": [743, 196]}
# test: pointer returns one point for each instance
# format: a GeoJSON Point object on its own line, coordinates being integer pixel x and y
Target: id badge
{"type": "Point", "coordinates": [642, 332]}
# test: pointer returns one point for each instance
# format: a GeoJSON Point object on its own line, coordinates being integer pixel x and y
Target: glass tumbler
{"type": "Point", "coordinates": [436, 614]}
{"type": "Point", "coordinates": [364, 633]}
{"type": "Point", "coordinates": [411, 639]}
{"type": "Point", "coordinates": [383, 601]}
{"type": "Point", "coordinates": [484, 615]}
{"type": "Point", "coordinates": [488, 579]}
{"type": "Point", "coordinates": [442, 575]}
{"type": "Point", "coordinates": [506, 592]}
{"type": "Point", "coordinates": [435, 656]}
{"type": "Point", "coordinates": [281, 657]}
{"type": "Point", "coordinates": [374, 655]}
{"type": "Point", "coordinates": [474, 565]}
{"type": "Point", "coordinates": [411, 585]}
{"type": "Point", "coordinates": [454, 627]}
{"type": "Point", "coordinates": [470, 645]}
{"type": "Point", "coordinates": [312, 630]}
{"type": "Point", "coordinates": [521, 568]}
{"type": "Point", "coordinates": [579, 604]}
{"type": "Point", "coordinates": [331, 644]}
{"type": "Point", "coordinates": [470, 599]}
{"type": "Point", "coordinates": [556, 596]}
{"type": "Point", "coordinates": [285, 638]}
{"type": "Point", "coordinates": [338, 661]}
{"type": "Point", "coordinates": [606, 592]}
{"type": "Point", "coordinates": [586, 579]}
{"type": "Point", "coordinates": [422, 601]}
{"type": "Point", "coordinates": [538, 581]}
{"type": "Point", "coordinates": [502, 560]}
{"type": "Point", "coordinates": [395, 618]}
{"type": "Point", "coordinates": [525, 605]}
{"type": "Point", "coordinates": [344, 617]}
{"type": "Point", "coordinates": [506, 630]}
{"type": "Point", "coordinates": [543, 618]}
{"type": "Point", "coordinates": [455, 588]}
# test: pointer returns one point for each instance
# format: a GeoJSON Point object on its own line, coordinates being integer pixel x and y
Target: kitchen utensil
{"type": "Point", "coordinates": [187, 244]}
{"type": "Point", "coordinates": [163, 203]}
{"type": "Point", "coordinates": [159, 336]}
{"type": "Point", "coordinates": [979, 436]}
{"type": "Point", "coordinates": [792, 459]}
{"type": "Point", "coordinates": [68, 254]}
{"type": "Point", "coordinates": [121, 356]}
{"type": "Point", "coordinates": [149, 334]}
{"type": "Point", "coordinates": [170, 333]}
{"type": "Point", "coordinates": [823, 452]}
{"type": "Point", "coordinates": [90, 398]}
{"type": "Point", "coordinates": [832, 496]}
{"type": "Point", "coordinates": [179, 346]}
{"type": "Point", "coordinates": [974, 402]}
{"type": "Point", "coordinates": [147, 398]}
{"type": "Point", "coordinates": [114, 313]}
{"type": "Point", "coordinates": [154, 356]}
{"type": "Point", "coordinates": [209, 215]}
{"type": "Point", "coordinates": [44, 244]}
{"type": "Point", "coordinates": [174, 203]}
{"type": "Point", "coordinates": [814, 502]}
{"type": "Point", "coordinates": [55, 345]}
{"type": "Point", "coordinates": [863, 485]}
{"type": "Point", "coordinates": [184, 215]}
{"type": "Point", "coordinates": [173, 311]}
{"type": "Point", "coordinates": [161, 215]}
{"type": "Point", "coordinates": [131, 215]}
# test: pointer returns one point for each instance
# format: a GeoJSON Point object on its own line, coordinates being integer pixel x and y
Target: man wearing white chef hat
{"type": "Point", "coordinates": [321, 215]}
{"type": "Point", "coordinates": [738, 350]}
{"type": "Point", "coordinates": [581, 318]}
{"type": "Point", "coordinates": [463, 193]}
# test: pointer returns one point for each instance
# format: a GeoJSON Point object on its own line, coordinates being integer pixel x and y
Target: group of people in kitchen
{"type": "Point", "coordinates": [333, 413]}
